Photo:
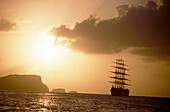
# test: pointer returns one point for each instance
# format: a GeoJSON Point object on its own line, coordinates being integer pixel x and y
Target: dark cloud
{"type": "Point", "coordinates": [62, 31]}
{"type": "Point", "coordinates": [146, 29]}
{"type": "Point", "coordinates": [6, 25]}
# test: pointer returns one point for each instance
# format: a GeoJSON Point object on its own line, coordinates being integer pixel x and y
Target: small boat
{"type": "Point", "coordinates": [118, 79]}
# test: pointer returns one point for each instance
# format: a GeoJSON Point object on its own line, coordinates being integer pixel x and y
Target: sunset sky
{"type": "Point", "coordinates": [71, 43]}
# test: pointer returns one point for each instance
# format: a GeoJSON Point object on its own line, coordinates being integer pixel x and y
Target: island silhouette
{"type": "Point", "coordinates": [58, 90]}
{"type": "Point", "coordinates": [25, 83]}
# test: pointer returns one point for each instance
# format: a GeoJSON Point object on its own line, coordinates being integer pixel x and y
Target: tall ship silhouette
{"type": "Point", "coordinates": [118, 79]}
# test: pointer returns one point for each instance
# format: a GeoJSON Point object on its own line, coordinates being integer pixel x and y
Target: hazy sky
{"type": "Point", "coordinates": [71, 43]}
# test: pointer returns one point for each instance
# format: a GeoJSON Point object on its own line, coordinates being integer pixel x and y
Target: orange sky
{"type": "Point", "coordinates": [26, 47]}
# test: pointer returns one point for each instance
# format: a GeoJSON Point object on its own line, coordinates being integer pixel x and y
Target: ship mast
{"type": "Point", "coordinates": [119, 74]}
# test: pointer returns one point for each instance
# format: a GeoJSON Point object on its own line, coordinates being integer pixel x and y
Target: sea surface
{"type": "Point", "coordinates": [21, 101]}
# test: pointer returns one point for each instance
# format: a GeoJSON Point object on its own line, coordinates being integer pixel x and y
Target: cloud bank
{"type": "Point", "coordinates": [6, 25]}
{"type": "Point", "coordinates": [144, 29]}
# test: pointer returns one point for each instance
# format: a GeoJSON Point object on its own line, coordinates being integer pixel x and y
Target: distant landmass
{"type": "Point", "coordinates": [26, 83]}
{"type": "Point", "coordinates": [72, 91]}
{"type": "Point", "coordinates": [58, 90]}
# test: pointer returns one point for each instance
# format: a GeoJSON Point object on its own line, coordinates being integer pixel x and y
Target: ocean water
{"type": "Point", "coordinates": [21, 101]}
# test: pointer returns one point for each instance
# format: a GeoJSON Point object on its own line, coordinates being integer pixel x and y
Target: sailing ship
{"type": "Point", "coordinates": [118, 79]}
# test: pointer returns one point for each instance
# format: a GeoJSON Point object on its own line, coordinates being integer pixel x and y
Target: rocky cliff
{"type": "Point", "coordinates": [26, 83]}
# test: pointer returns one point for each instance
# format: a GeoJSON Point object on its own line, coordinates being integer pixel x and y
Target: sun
{"type": "Point", "coordinates": [45, 52]}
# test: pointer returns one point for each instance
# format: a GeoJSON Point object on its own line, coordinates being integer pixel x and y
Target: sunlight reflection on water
{"type": "Point", "coordinates": [19, 101]}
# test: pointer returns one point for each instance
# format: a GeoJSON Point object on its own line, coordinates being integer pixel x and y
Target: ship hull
{"type": "Point", "coordinates": [119, 92]}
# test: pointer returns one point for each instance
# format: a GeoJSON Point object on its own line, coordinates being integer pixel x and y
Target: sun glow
{"type": "Point", "coordinates": [45, 52]}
